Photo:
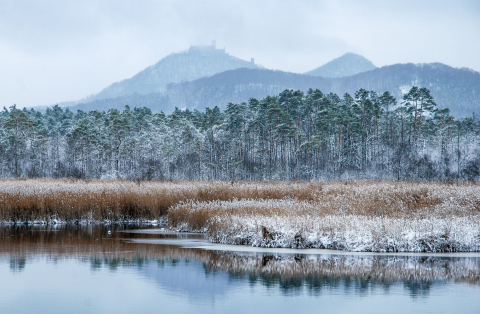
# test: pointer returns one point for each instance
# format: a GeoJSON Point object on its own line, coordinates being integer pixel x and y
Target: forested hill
{"type": "Point", "coordinates": [346, 65]}
{"type": "Point", "coordinates": [457, 89]}
{"type": "Point", "coordinates": [217, 90]}
{"type": "Point", "coordinates": [238, 86]}
{"type": "Point", "coordinates": [196, 62]}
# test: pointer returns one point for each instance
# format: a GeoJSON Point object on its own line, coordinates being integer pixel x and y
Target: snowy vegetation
{"type": "Point", "coordinates": [372, 216]}
{"type": "Point", "coordinates": [289, 137]}
{"type": "Point", "coordinates": [292, 136]}
{"type": "Point", "coordinates": [366, 216]}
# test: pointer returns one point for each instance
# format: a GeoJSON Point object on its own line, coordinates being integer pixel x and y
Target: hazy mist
{"type": "Point", "coordinates": [58, 51]}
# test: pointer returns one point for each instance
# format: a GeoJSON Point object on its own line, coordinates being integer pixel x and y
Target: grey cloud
{"type": "Point", "coordinates": [54, 51]}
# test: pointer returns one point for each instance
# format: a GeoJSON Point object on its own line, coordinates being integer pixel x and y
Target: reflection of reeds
{"type": "Point", "coordinates": [94, 245]}
{"type": "Point", "coordinates": [384, 269]}
{"type": "Point", "coordinates": [79, 242]}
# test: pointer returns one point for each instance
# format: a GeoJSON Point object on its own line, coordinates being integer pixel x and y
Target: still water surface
{"type": "Point", "coordinates": [87, 270]}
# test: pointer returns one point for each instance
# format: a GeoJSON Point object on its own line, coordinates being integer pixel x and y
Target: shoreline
{"type": "Point", "coordinates": [139, 222]}
{"type": "Point", "coordinates": [367, 216]}
{"type": "Point", "coordinates": [210, 246]}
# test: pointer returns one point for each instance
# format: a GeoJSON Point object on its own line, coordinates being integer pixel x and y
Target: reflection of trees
{"type": "Point", "coordinates": [17, 264]}
{"type": "Point", "coordinates": [418, 288]}
{"type": "Point", "coordinates": [291, 273]}
{"type": "Point", "coordinates": [359, 274]}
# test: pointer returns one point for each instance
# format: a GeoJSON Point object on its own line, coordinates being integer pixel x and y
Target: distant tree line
{"type": "Point", "coordinates": [292, 136]}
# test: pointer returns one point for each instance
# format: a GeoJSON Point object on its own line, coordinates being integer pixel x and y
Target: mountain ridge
{"type": "Point", "coordinates": [345, 65]}
{"type": "Point", "coordinates": [457, 89]}
{"type": "Point", "coordinates": [194, 63]}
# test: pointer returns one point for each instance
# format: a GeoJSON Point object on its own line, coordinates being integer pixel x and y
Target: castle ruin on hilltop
{"type": "Point", "coordinates": [208, 50]}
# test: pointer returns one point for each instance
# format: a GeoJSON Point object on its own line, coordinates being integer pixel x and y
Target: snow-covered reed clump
{"type": "Point", "coordinates": [365, 216]}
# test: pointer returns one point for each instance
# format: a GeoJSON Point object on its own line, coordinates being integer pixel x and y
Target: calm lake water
{"type": "Point", "coordinates": [106, 270]}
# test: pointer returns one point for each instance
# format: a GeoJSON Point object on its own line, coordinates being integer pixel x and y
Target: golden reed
{"type": "Point", "coordinates": [66, 200]}
{"type": "Point", "coordinates": [196, 203]}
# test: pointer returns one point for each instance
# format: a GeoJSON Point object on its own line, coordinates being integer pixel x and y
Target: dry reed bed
{"type": "Point", "coordinates": [115, 201]}
{"type": "Point", "coordinates": [364, 216]}
{"type": "Point", "coordinates": [358, 216]}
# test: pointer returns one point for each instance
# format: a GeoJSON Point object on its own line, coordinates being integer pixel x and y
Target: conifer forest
{"type": "Point", "coordinates": [291, 136]}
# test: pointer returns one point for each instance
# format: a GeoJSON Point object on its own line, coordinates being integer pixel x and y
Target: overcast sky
{"type": "Point", "coordinates": [54, 51]}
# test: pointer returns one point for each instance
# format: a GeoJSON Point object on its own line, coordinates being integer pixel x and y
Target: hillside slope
{"type": "Point", "coordinates": [196, 62]}
{"type": "Point", "coordinates": [346, 65]}
{"type": "Point", "coordinates": [457, 89]}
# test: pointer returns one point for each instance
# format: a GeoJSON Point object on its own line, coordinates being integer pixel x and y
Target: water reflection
{"type": "Point", "coordinates": [205, 273]}
{"type": "Point", "coordinates": [350, 273]}
{"type": "Point", "coordinates": [17, 264]}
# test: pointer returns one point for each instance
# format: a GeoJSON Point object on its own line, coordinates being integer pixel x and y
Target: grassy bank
{"type": "Point", "coordinates": [356, 216]}
{"type": "Point", "coordinates": [70, 201]}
